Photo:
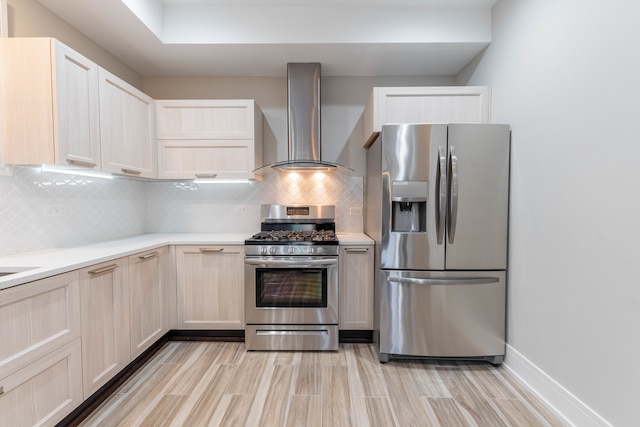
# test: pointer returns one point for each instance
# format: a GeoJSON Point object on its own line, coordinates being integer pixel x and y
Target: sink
{"type": "Point", "coordinates": [7, 271]}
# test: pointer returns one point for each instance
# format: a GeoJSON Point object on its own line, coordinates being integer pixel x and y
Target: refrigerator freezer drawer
{"type": "Point", "coordinates": [442, 314]}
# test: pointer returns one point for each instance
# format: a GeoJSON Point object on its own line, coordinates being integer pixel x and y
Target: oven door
{"type": "Point", "coordinates": [291, 290]}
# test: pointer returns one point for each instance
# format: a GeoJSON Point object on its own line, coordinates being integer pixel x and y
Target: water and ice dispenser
{"type": "Point", "coordinates": [409, 206]}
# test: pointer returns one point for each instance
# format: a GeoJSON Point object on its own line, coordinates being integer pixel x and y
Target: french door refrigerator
{"type": "Point", "coordinates": [437, 208]}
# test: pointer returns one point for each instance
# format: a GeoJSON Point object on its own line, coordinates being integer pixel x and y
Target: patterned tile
{"type": "Point", "coordinates": [94, 210]}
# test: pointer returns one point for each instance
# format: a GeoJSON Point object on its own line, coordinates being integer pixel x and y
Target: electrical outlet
{"type": "Point", "coordinates": [240, 209]}
{"type": "Point", "coordinates": [189, 208]}
{"type": "Point", "coordinates": [355, 211]}
{"type": "Point", "coordinates": [52, 210]}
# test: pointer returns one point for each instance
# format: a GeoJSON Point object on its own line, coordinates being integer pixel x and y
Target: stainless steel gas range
{"type": "Point", "coordinates": [291, 280]}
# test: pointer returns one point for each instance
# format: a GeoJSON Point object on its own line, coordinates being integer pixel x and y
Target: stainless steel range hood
{"type": "Point", "coordinates": [303, 118]}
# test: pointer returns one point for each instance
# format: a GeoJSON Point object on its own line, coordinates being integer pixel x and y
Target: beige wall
{"type": "Point", "coordinates": [28, 18]}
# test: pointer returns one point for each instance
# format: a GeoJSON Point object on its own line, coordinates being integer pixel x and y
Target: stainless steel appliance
{"type": "Point", "coordinates": [437, 207]}
{"type": "Point", "coordinates": [303, 120]}
{"type": "Point", "coordinates": [291, 280]}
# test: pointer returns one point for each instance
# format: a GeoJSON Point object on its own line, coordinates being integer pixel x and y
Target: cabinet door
{"type": "Point", "coordinates": [49, 102]}
{"type": "Point", "coordinates": [105, 323]}
{"type": "Point", "coordinates": [36, 318]}
{"type": "Point", "coordinates": [76, 108]}
{"type": "Point", "coordinates": [44, 392]}
{"type": "Point", "coordinates": [127, 128]}
{"type": "Point", "coordinates": [210, 283]}
{"type": "Point", "coordinates": [148, 298]}
{"type": "Point", "coordinates": [435, 104]}
{"type": "Point", "coordinates": [206, 119]}
{"type": "Point", "coordinates": [189, 159]}
{"type": "Point", "coordinates": [356, 287]}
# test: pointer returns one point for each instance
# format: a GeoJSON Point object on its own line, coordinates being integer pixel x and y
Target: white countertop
{"type": "Point", "coordinates": [41, 264]}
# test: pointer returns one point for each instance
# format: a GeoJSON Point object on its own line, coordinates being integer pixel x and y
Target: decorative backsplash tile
{"type": "Point", "coordinates": [185, 206]}
{"type": "Point", "coordinates": [48, 210]}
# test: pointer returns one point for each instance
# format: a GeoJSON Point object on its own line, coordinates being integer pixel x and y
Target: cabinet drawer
{"type": "Point", "coordinates": [36, 318]}
{"type": "Point", "coordinates": [44, 392]}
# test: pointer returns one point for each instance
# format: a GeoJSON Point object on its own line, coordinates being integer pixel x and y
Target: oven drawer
{"type": "Point", "coordinates": [291, 337]}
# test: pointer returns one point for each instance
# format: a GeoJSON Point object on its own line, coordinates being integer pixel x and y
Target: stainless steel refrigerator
{"type": "Point", "coordinates": [436, 200]}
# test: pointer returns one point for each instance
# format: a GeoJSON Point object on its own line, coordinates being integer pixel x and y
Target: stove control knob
{"type": "Point", "coordinates": [319, 251]}
{"type": "Point", "coordinates": [263, 250]}
{"type": "Point", "coordinates": [310, 250]}
{"type": "Point", "coordinates": [272, 250]}
{"type": "Point", "coordinates": [292, 250]}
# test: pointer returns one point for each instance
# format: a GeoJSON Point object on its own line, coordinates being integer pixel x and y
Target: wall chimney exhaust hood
{"type": "Point", "coordinates": [303, 118]}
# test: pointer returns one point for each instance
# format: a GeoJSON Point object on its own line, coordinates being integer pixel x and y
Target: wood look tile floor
{"type": "Point", "coordinates": [221, 384]}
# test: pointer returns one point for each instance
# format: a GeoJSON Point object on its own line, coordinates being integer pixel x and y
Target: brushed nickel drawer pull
{"type": "Point", "coordinates": [356, 250]}
{"type": "Point", "coordinates": [211, 249]}
{"type": "Point", "coordinates": [150, 255]}
{"type": "Point", "coordinates": [81, 163]}
{"type": "Point", "coordinates": [104, 269]}
{"type": "Point", "coordinates": [130, 171]}
{"type": "Point", "coordinates": [206, 175]}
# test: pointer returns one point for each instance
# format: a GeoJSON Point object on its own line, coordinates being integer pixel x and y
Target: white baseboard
{"type": "Point", "coordinates": [572, 409]}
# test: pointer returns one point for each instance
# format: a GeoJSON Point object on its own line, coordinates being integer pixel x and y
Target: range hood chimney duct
{"type": "Point", "coordinates": [303, 120]}
{"type": "Point", "coordinates": [303, 111]}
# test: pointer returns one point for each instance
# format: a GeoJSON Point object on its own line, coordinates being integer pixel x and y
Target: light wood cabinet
{"type": "Point", "coordinates": [127, 128]}
{"type": "Point", "coordinates": [430, 104]}
{"type": "Point", "coordinates": [208, 138]}
{"type": "Point", "coordinates": [44, 392]}
{"type": "Point", "coordinates": [49, 102]}
{"type": "Point", "coordinates": [104, 306]}
{"type": "Point", "coordinates": [40, 369]}
{"type": "Point", "coordinates": [210, 287]}
{"type": "Point", "coordinates": [356, 287]}
{"type": "Point", "coordinates": [148, 284]}
{"type": "Point", "coordinates": [36, 318]}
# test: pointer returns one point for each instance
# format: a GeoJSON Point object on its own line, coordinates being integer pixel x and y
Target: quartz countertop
{"type": "Point", "coordinates": [32, 266]}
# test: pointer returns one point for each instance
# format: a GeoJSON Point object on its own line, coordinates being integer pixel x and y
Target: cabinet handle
{"type": "Point", "coordinates": [150, 255]}
{"type": "Point", "coordinates": [206, 175]}
{"type": "Point", "coordinates": [81, 163]}
{"type": "Point", "coordinates": [104, 269]}
{"type": "Point", "coordinates": [357, 250]}
{"type": "Point", "coordinates": [211, 249]}
{"type": "Point", "coordinates": [130, 171]}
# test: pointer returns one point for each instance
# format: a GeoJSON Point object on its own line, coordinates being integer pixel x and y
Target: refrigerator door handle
{"type": "Point", "coordinates": [449, 281]}
{"type": "Point", "coordinates": [441, 199]}
{"type": "Point", "coordinates": [453, 194]}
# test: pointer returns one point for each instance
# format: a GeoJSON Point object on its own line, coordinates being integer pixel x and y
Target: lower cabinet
{"type": "Point", "coordinates": [105, 323]}
{"type": "Point", "coordinates": [210, 287]}
{"type": "Point", "coordinates": [40, 369]}
{"type": "Point", "coordinates": [45, 391]}
{"type": "Point", "coordinates": [356, 287]}
{"type": "Point", "coordinates": [148, 284]}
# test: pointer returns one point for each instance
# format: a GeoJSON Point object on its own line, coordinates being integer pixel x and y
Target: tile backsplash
{"type": "Point", "coordinates": [42, 210]}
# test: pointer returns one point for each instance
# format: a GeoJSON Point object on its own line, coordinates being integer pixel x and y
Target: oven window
{"type": "Point", "coordinates": [291, 287]}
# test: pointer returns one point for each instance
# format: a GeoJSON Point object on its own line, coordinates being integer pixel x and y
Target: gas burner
{"type": "Point", "coordinates": [294, 236]}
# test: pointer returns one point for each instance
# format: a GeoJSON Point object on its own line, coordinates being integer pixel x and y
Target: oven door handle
{"type": "Point", "coordinates": [291, 263]}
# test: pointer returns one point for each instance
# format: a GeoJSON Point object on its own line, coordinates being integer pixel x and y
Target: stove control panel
{"type": "Point", "coordinates": [291, 250]}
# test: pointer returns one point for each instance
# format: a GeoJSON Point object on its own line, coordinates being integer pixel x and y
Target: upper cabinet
{"type": "Point", "coordinates": [435, 104]}
{"type": "Point", "coordinates": [49, 102]}
{"type": "Point", "coordinates": [127, 128]}
{"type": "Point", "coordinates": [214, 139]}
{"type": "Point", "coordinates": [58, 107]}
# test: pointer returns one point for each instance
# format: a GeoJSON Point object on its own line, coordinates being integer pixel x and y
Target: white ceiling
{"type": "Point", "coordinates": [258, 37]}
